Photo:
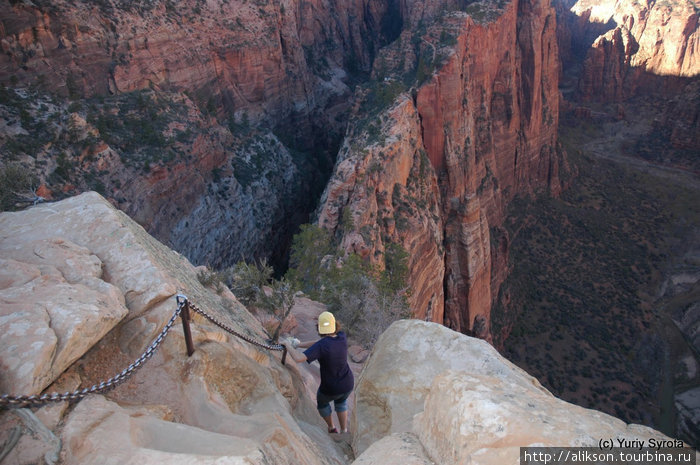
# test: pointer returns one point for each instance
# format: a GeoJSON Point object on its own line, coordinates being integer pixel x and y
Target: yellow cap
{"type": "Point", "coordinates": [326, 323]}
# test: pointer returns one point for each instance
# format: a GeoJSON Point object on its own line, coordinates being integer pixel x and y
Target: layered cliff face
{"type": "Point", "coordinates": [642, 47]}
{"type": "Point", "coordinates": [477, 120]}
{"type": "Point", "coordinates": [240, 107]}
{"type": "Point", "coordinates": [248, 56]}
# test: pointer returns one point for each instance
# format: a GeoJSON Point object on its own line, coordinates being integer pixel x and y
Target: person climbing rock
{"type": "Point", "coordinates": [337, 380]}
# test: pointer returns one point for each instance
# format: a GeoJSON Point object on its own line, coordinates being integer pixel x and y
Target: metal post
{"type": "Point", "coordinates": [185, 316]}
{"type": "Point", "coordinates": [284, 355]}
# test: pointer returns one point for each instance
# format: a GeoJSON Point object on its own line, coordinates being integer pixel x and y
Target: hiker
{"type": "Point", "coordinates": [337, 380]}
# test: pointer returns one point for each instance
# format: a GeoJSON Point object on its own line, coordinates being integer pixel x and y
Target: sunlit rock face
{"type": "Point", "coordinates": [643, 47]}
{"type": "Point", "coordinates": [451, 153]}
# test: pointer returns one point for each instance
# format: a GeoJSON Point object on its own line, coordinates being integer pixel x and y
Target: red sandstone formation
{"type": "Point", "coordinates": [652, 46]}
{"type": "Point", "coordinates": [479, 131]}
{"type": "Point", "coordinates": [270, 63]}
{"type": "Point", "coordinates": [248, 55]}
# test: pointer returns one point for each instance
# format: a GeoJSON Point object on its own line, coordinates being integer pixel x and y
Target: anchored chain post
{"type": "Point", "coordinates": [228, 329]}
{"type": "Point", "coordinates": [185, 316]}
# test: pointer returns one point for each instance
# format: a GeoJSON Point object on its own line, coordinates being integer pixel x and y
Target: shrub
{"type": "Point", "coordinates": [365, 299]}
{"type": "Point", "coordinates": [309, 247]}
{"type": "Point", "coordinates": [278, 300]}
{"type": "Point", "coordinates": [211, 279]}
{"type": "Point", "coordinates": [254, 286]}
{"type": "Point", "coordinates": [247, 280]}
{"type": "Point", "coordinates": [16, 187]}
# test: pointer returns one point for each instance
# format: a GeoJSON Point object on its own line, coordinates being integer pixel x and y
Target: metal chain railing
{"type": "Point", "coordinates": [182, 311]}
{"type": "Point", "coordinates": [234, 332]}
{"type": "Point", "coordinates": [34, 400]}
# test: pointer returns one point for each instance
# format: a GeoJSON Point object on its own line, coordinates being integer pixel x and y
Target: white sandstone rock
{"type": "Point", "coordinates": [82, 282]}
{"type": "Point", "coordinates": [400, 371]}
{"type": "Point", "coordinates": [395, 449]}
{"type": "Point", "coordinates": [47, 323]}
{"type": "Point", "coordinates": [89, 221]}
{"type": "Point", "coordinates": [470, 418]}
{"type": "Point", "coordinates": [465, 402]}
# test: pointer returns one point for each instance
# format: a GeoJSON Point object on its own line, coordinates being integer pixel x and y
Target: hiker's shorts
{"type": "Point", "coordinates": [323, 402]}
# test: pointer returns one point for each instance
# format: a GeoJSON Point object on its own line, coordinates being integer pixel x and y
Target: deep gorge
{"type": "Point", "coordinates": [429, 124]}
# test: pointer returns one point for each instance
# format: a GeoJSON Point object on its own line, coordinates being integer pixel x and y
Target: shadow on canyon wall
{"type": "Point", "coordinates": [601, 300]}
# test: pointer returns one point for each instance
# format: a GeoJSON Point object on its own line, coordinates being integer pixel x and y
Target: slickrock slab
{"type": "Point", "coordinates": [396, 449]}
{"type": "Point", "coordinates": [470, 418]}
{"type": "Point", "coordinates": [465, 403]}
{"type": "Point", "coordinates": [89, 221]}
{"type": "Point", "coordinates": [47, 322]}
{"type": "Point", "coordinates": [400, 371]}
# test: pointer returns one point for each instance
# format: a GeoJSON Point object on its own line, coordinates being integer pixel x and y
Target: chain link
{"type": "Point", "coordinates": [34, 400]}
{"type": "Point", "coordinates": [234, 332]}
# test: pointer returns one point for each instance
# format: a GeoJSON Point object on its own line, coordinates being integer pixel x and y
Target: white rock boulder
{"type": "Point", "coordinates": [49, 317]}
{"type": "Point", "coordinates": [401, 369]}
{"type": "Point", "coordinates": [466, 403]}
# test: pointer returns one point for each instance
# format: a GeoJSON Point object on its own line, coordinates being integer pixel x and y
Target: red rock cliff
{"type": "Point", "coordinates": [479, 131]}
{"type": "Point", "coordinates": [651, 46]}
{"type": "Point", "coordinates": [253, 63]}
{"type": "Point", "coordinates": [258, 57]}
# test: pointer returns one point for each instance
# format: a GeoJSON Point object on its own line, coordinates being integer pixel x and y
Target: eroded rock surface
{"type": "Point", "coordinates": [465, 403]}
{"type": "Point", "coordinates": [84, 291]}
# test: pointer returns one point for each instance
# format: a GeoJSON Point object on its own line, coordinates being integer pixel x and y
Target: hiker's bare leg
{"type": "Point", "coordinates": [343, 421]}
{"type": "Point", "coordinates": [329, 421]}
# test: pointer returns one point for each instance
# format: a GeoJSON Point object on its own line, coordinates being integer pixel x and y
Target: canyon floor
{"type": "Point", "coordinates": [601, 274]}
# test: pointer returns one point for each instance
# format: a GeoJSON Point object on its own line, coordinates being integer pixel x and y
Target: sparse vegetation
{"type": "Point", "coordinates": [585, 269]}
{"type": "Point", "coordinates": [135, 123]}
{"type": "Point", "coordinates": [58, 140]}
{"type": "Point", "coordinates": [254, 286]}
{"type": "Point", "coordinates": [211, 279]}
{"type": "Point", "coordinates": [16, 187]}
{"type": "Point", "coordinates": [364, 298]}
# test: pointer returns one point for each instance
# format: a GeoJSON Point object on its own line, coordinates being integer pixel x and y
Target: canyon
{"type": "Point", "coordinates": [221, 126]}
{"type": "Point", "coordinates": [237, 132]}
{"type": "Point", "coordinates": [592, 272]}
{"type": "Point", "coordinates": [181, 109]}
{"type": "Point", "coordinates": [426, 394]}
{"type": "Point", "coordinates": [454, 113]}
